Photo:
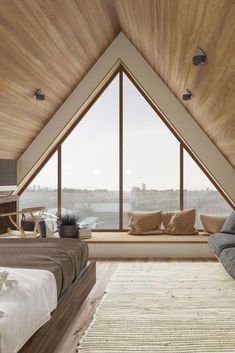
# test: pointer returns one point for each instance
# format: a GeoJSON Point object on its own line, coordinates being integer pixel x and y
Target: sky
{"type": "Point", "coordinates": [90, 154]}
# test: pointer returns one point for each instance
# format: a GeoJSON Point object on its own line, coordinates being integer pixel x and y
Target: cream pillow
{"type": "Point", "coordinates": [179, 222]}
{"type": "Point", "coordinates": [145, 223]}
{"type": "Point", "coordinates": [212, 223]}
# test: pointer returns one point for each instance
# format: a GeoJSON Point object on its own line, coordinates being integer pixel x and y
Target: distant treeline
{"type": "Point", "coordinates": [135, 189]}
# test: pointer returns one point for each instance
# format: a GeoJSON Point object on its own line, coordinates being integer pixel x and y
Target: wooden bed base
{"type": "Point", "coordinates": [48, 339]}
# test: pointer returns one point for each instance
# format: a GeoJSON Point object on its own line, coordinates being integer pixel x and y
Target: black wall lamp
{"type": "Point", "coordinates": [39, 95]}
{"type": "Point", "coordinates": [187, 96]}
{"type": "Point", "coordinates": [199, 59]}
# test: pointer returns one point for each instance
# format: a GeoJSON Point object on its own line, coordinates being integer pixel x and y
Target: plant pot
{"type": "Point", "coordinates": [70, 231]}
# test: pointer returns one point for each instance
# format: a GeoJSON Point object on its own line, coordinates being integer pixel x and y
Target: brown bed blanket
{"type": "Point", "coordinates": [65, 258]}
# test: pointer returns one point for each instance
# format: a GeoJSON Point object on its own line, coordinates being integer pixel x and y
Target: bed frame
{"type": "Point", "coordinates": [48, 339]}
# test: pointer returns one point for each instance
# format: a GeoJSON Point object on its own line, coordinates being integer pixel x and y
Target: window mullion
{"type": "Point", "coordinates": [181, 177]}
{"type": "Point", "coordinates": [121, 150]}
{"type": "Point", "coordinates": [59, 181]}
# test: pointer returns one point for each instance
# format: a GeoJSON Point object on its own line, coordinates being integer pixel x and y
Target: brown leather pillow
{"type": "Point", "coordinates": [179, 222]}
{"type": "Point", "coordinates": [145, 223]}
{"type": "Point", "coordinates": [212, 223]}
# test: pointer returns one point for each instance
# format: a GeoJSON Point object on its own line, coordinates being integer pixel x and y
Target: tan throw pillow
{"type": "Point", "coordinates": [179, 222]}
{"type": "Point", "coordinates": [145, 223]}
{"type": "Point", "coordinates": [212, 223]}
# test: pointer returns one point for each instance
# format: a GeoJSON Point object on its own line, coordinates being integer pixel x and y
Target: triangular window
{"type": "Point", "coordinates": [200, 193]}
{"type": "Point", "coordinates": [122, 156]}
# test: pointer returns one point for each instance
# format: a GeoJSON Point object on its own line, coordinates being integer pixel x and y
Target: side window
{"type": "Point", "coordinates": [200, 193]}
{"type": "Point", "coordinates": [42, 191]}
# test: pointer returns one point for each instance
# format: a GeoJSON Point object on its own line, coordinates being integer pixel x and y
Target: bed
{"type": "Point", "coordinates": [61, 264]}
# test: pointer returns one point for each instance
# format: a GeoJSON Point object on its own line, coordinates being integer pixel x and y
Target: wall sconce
{"type": "Point", "coordinates": [187, 96]}
{"type": "Point", "coordinates": [39, 95]}
{"type": "Point", "coordinates": [199, 59]}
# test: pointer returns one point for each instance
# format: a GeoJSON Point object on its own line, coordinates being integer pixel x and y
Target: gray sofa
{"type": "Point", "coordinates": [223, 245]}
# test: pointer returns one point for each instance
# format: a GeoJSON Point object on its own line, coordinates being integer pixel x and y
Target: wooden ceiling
{"type": "Point", "coordinates": [48, 44]}
{"type": "Point", "coordinates": [53, 43]}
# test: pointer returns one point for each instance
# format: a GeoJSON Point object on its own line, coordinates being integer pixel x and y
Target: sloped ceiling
{"type": "Point", "coordinates": [48, 44]}
{"type": "Point", "coordinates": [53, 43]}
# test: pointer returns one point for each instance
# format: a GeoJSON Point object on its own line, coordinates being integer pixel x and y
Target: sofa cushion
{"type": "Point", "coordinates": [145, 223]}
{"type": "Point", "coordinates": [212, 223]}
{"type": "Point", "coordinates": [179, 222]}
{"type": "Point", "coordinates": [220, 241]}
{"type": "Point", "coordinates": [227, 257]}
{"type": "Point", "coordinates": [229, 224]}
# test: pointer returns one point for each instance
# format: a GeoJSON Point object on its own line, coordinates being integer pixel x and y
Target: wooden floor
{"type": "Point", "coordinates": [105, 269]}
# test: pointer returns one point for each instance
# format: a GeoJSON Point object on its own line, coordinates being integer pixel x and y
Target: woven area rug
{"type": "Point", "coordinates": [165, 307]}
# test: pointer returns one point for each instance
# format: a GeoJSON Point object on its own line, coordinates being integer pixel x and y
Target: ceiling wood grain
{"type": "Point", "coordinates": [49, 44]}
{"type": "Point", "coordinates": [52, 44]}
{"type": "Point", "coordinates": [167, 33]}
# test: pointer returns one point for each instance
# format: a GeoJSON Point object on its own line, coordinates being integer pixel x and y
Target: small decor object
{"type": "Point", "coordinates": [84, 232]}
{"type": "Point", "coordinates": [28, 224]}
{"type": "Point", "coordinates": [68, 226]}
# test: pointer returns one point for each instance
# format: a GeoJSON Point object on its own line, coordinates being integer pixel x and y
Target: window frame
{"type": "Point", "coordinates": [182, 146]}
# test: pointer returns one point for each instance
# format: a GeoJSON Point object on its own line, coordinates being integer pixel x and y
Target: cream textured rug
{"type": "Point", "coordinates": [176, 307]}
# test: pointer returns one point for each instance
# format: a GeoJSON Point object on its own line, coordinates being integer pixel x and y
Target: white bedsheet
{"type": "Point", "coordinates": [26, 307]}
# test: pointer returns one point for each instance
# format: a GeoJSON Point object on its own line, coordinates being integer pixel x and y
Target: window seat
{"type": "Point", "coordinates": [124, 237]}
{"type": "Point", "coordinates": [123, 245]}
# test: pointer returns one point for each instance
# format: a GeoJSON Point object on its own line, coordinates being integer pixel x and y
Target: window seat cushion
{"type": "Point", "coordinates": [145, 223]}
{"type": "Point", "coordinates": [212, 223]}
{"type": "Point", "coordinates": [179, 222]}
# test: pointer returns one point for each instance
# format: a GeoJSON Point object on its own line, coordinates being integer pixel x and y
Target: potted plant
{"type": "Point", "coordinates": [68, 226]}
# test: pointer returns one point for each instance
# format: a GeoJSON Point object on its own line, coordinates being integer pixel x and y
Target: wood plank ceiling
{"type": "Point", "coordinates": [52, 44]}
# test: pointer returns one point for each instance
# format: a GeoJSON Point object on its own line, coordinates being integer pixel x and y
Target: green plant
{"type": "Point", "coordinates": [68, 220]}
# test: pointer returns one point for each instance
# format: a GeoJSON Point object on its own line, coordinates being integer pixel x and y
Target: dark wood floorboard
{"type": "Point", "coordinates": [104, 271]}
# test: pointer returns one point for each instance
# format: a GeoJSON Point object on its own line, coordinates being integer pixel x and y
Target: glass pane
{"type": "Point", "coordinates": [43, 189]}
{"type": "Point", "coordinates": [200, 193]}
{"type": "Point", "coordinates": [90, 164]}
{"type": "Point", "coordinates": [151, 157]}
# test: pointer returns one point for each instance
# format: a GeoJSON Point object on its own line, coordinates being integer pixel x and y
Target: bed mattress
{"type": "Point", "coordinates": [26, 306]}
{"type": "Point", "coordinates": [65, 258]}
